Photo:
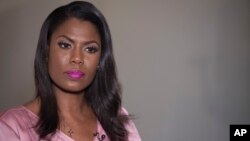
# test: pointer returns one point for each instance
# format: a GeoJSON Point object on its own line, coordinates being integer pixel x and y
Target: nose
{"type": "Point", "coordinates": [77, 57]}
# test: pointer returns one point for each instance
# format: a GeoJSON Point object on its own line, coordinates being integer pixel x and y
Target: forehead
{"type": "Point", "coordinates": [78, 29]}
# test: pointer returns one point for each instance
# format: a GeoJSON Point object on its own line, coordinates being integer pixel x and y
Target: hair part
{"type": "Point", "coordinates": [103, 94]}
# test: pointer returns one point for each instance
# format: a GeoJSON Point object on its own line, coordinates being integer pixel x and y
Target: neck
{"type": "Point", "coordinates": [72, 105]}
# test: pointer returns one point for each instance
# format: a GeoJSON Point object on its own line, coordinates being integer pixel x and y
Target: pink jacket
{"type": "Point", "coordinates": [17, 124]}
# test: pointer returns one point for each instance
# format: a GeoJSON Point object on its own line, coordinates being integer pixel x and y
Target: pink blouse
{"type": "Point", "coordinates": [17, 124]}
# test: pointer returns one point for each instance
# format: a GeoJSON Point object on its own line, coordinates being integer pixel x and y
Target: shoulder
{"type": "Point", "coordinates": [133, 134]}
{"type": "Point", "coordinates": [10, 115]}
{"type": "Point", "coordinates": [13, 121]}
{"type": "Point", "coordinates": [13, 115]}
{"type": "Point", "coordinates": [11, 111]}
{"type": "Point", "coordinates": [124, 111]}
{"type": "Point", "coordinates": [9, 123]}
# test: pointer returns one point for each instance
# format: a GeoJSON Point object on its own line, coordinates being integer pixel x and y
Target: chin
{"type": "Point", "coordinates": [74, 89]}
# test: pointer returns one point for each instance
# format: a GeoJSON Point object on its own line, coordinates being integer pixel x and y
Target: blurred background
{"type": "Point", "coordinates": [184, 64]}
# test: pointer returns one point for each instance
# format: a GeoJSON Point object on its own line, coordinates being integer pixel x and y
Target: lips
{"type": "Point", "coordinates": [75, 74]}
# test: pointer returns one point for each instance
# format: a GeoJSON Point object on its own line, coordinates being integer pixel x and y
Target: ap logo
{"type": "Point", "coordinates": [239, 132]}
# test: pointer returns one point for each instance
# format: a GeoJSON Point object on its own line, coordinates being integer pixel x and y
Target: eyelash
{"type": "Point", "coordinates": [64, 45]}
{"type": "Point", "coordinates": [91, 49]}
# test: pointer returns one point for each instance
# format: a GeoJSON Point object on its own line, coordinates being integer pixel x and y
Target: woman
{"type": "Point", "coordinates": [78, 95]}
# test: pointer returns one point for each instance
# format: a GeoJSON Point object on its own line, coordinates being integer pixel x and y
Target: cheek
{"type": "Point", "coordinates": [56, 62]}
{"type": "Point", "coordinates": [91, 65]}
{"type": "Point", "coordinates": [92, 62]}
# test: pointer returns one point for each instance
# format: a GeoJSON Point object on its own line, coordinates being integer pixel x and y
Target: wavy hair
{"type": "Point", "coordinates": [103, 94]}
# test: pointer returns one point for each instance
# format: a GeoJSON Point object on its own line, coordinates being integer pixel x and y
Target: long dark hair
{"type": "Point", "coordinates": [103, 94]}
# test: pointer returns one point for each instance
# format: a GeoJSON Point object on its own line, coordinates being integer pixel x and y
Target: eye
{"type": "Point", "coordinates": [64, 45]}
{"type": "Point", "coordinates": [91, 49]}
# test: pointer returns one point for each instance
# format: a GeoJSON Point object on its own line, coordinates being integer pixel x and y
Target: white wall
{"type": "Point", "coordinates": [184, 64]}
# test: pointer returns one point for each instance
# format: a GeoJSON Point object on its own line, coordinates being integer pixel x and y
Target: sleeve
{"type": "Point", "coordinates": [7, 132]}
{"type": "Point", "coordinates": [133, 134]}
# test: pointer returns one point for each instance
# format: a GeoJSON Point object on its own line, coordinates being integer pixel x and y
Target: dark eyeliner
{"type": "Point", "coordinates": [63, 44]}
{"type": "Point", "coordinates": [92, 49]}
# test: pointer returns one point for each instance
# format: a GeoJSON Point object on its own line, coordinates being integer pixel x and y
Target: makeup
{"type": "Point", "coordinates": [75, 74]}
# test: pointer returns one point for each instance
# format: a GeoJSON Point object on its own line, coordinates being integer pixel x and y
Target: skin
{"type": "Point", "coordinates": [75, 45]}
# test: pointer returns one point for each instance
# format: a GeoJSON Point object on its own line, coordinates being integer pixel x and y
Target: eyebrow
{"type": "Point", "coordinates": [85, 43]}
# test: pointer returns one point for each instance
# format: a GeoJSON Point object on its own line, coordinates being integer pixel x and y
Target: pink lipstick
{"type": "Point", "coordinates": [75, 74]}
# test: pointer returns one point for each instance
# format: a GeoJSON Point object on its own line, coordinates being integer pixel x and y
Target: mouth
{"type": "Point", "coordinates": [75, 74]}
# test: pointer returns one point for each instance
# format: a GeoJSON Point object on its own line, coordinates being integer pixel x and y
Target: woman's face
{"type": "Point", "coordinates": [74, 55]}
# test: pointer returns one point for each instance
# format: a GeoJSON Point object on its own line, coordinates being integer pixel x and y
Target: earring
{"type": "Point", "coordinates": [97, 68]}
